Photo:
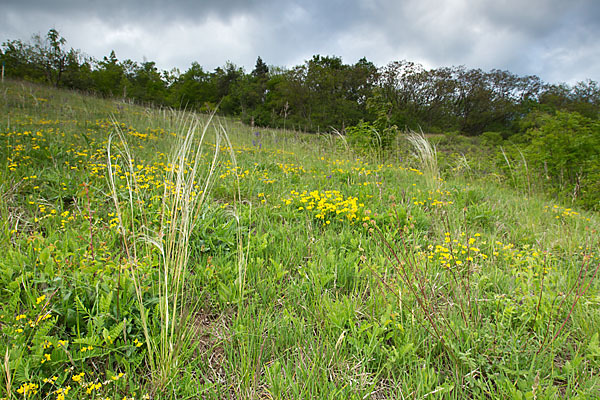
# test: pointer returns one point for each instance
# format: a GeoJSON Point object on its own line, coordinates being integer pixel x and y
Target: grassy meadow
{"type": "Point", "coordinates": [150, 253]}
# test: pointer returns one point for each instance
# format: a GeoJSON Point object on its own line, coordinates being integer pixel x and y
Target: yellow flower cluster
{"type": "Point", "coordinates": [291, 169]}
{"type": "Point", "coordinates": [86, 348]}
{"type": "Point", "coordinates": [431, 198]}
{"type": "Point", "coordinates": [524, 258]}
{"type": "Point", "coordinates": [328, 205]}
{"type": "Point", "coordinates": [62, 392]}
{"type": "Point", "coordinates": [455, 252]}
{"type": "Point", "coordinates": [28, 389]}
{"type": "Point", "coordinates": [93, 386]}
{"type": "Point", "coordinates": [560, 211]}
{"type": "Point", "coordinates": [78, 377]}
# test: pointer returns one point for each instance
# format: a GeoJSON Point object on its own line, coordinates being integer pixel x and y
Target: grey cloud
{"type": "Point", "coordinates": [552, 38]}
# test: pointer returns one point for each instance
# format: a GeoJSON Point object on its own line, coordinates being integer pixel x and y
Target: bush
{"type": "Point", "coordinates": [378, 135]}
{"type": "Point", "coordinates": [491, 138]}
{"type": "Point", "coordinates": [366, 136]}
{"type": "Point", "coordinates": [566, 147]}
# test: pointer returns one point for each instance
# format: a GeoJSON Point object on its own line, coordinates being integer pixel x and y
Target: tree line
{"type": "Point", "coordinates": [556, 125]}
{"type": "Point", "coordinates": [322, 94]}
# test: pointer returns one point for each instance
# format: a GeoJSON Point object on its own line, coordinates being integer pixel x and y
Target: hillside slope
{"type": "Point", "coordinates": [308, 272]}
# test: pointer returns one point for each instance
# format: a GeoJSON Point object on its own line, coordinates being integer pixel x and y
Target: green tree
{"type": "Point", "coordinates": [19, 61]}
{"type": "Point", "coordinates": [586, 99]}
{"type": "Point", "coordinates": [147, 84]}
{"type": "Point", "coordinates": [43, 60]}
{"type": "Point", "coordinates": [109, 76]}
{"type": "Point", "coordinates": [251, 91]}
{"type": "Point", "coordinates": [331, 103]}
{"type": "Point", "coordinates": [192, 89]}
{"type": "Point", "coordinates": [224, 81]}
{"type": "Point", "coordinates": [50, 55]}
{"type": "Point", "coordinates": [287, 99]}
{"type": "Point", "coordinates": [261, 70]}
{"type": "Point", "coordinates": [78, 71]}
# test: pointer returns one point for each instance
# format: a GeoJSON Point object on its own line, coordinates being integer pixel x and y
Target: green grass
{"type": "Point", "coordinates": [308, 272]}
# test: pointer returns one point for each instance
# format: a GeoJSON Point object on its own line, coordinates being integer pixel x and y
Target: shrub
{"type": "Point", "coordinates": [366, 136]}
{"type": "Point", "coordinates": [378, 135]}
{"type": "Point", "coordinates": [491, 138]}
{"type": "Point", "coordinates": [566, 147]}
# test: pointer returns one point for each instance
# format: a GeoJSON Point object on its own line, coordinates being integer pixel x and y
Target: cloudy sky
{"type": "Point", "coordinates": [554, 39]}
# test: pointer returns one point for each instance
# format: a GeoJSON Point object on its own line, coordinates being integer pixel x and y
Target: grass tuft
{"type": "Point", "coordinates": [426, 153]}
{"type": "Point", "coordinates": [187, 183]}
